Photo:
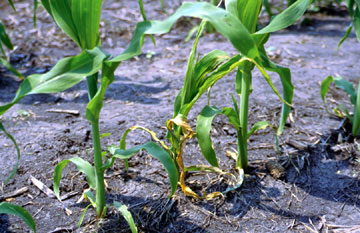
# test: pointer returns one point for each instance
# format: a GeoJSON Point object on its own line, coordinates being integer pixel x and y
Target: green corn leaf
{"type": "Point", "coordinates": [347, 33]}
{"type": "Point", "coordinates": [189, 82]}
{"type": "Point", "coordinates": [82, 165]}
{"type": "Point", "coordinates": [65, 74]}
{"type": "Point", "coordinates": [209, 63]}
{"type": "Point", "coordinates": [287, 17]}
{"type": "Point", "coordinates": [356, 119]}
{"type": "Point", "coordinates": [224, 22]}
{"type": "Point", "coordinates": [246, 11]}
{"type": "Point", "coordinates": [62, 15]}
{"type": "Point", "coordinates": [203, 127]}
{"type": "Point", "coordinates": [12, 4]}
{"type": "Point", "coordinates": [288, 88]}
{"type": "Point", "coordinates": [233, 116]}
{"type": "Point", "coordinates": [157, 152]}
{"type": "Point", "coordinates": [89, 195]}
{"type": "Point", "coordinates": [5, 63]}
{"type": "Point", "coordinates": [8, 208]}
{"type": "Point", "coordinates": [107, 77]}
{"type": "Point", "coordinates": [4, 38]}
{"type": "Point", "coordinates": [127, 215]}
{"type": "Point", "coordinates": [86, 18]}
{"type": "Point", "coordinates": [324, 89]}
{"type": "Point", "coordinates": [258, 126]}
{"type": "Point", "coordinates": [347, 87]}
{"type": "Point", "coordinates": [46, 5]}
{"type": "Point", "coordinates": [17, 152]}
{"type": "Point", "coordinates": [83, 215]}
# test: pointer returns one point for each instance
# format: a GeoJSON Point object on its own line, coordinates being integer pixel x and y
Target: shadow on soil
{"type": "Point", "coordinates": [122, 88]}
{"type": "Point", "coordinates": [150, 215]}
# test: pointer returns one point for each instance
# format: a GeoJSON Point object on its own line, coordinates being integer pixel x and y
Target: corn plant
{"type": "Point", "coordinates": [247, 13]}
{"type": "Point", "coordinates": [238, 23]}
{"type": "Point", "coordinates": [80, 21]}
{"type": "Point", "coordinates": [342, 111]}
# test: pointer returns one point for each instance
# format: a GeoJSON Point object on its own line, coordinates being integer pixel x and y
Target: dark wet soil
{"type": "Point", "coordinates": [319, 191]}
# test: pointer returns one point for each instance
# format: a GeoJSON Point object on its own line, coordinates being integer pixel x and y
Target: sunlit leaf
{"type": "Point", "coordinates": [65, 74]}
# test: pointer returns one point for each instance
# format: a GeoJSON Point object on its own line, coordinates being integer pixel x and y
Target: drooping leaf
{"type": "Point", "coordinates": [157, 152]}
{"type": "Point", "coordinates": [224, 22]}
{"type": "Point", "coordinates": [17, 152]}
{"type": "Point", "coordinates": [127, 215]}
{"type": "Point", "coordinates": [8, 208]}
{"type": "Point", "coordinates": [287, 17]}
{"type": "Point", "coordinates": [82, 165]}
{"type": "Point", "coordinates": [203, 127]}
{"type": "Point", "coordinates": [324, 89]}
{"type": "Point", "coordinates": [347, 87]}
{"type": "Point", "coordinates": [288, 88]}
{"type": "Point", "coordinates": [65, 74]}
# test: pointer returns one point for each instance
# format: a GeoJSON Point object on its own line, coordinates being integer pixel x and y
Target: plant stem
{"type": "Point", "coordinates": [99, 171]}
{"type": "Point", "coordinates": [246, 79]}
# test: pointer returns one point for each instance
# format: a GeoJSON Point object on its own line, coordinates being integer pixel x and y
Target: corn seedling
{"type": "Point", "coordinates": [80, 21]}
{"type": "Point", "coordinates": [342, 111]}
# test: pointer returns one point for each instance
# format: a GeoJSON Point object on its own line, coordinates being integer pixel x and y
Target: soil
{"type": "Point", "coordinates": [318, 190]}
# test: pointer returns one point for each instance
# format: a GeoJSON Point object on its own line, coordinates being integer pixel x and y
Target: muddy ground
{"type": "Point", "coordinates": [318, 193]}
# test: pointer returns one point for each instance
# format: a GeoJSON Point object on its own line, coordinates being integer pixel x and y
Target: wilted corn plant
{"type": "Point", "coordinates": [80, 21]}
{"type": "Point", "coordinates": [238, 23]}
